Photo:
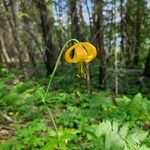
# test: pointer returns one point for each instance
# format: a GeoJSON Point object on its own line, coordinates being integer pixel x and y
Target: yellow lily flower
{"type": "Point", "coordinates": [81, 53]}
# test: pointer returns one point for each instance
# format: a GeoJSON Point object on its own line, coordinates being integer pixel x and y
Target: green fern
{"type": "Point", "coordinates": [112, 136]}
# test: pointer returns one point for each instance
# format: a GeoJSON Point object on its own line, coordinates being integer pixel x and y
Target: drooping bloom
{"type": "Point", "coordinates": [81, 53]}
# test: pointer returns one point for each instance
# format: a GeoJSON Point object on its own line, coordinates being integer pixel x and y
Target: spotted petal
{"type": "Point", "coordinates": [68, 57]}
{"type": "Point", "coordinates": [80, 54]}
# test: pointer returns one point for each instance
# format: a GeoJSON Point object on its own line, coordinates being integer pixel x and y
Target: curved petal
{"type": "Point", "coordinates": [80, 53]}
{"type": "Point", "coordinates": [91, 51]}
{"type": "Point", "coordinates": [68, 53]}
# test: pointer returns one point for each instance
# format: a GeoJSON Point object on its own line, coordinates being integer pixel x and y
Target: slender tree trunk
{"type": "Point", "coordinates": [129, 34]}
{"type": "Point", "coordinates": [115, 27]}
{"type": "Point", "coordinates": [5, 54]}
{"type": "Point", "coordinates": [90, 19]}
{"type": "Point", "coordinates": [46, 26]}
{"type": "Point", "coordinates": [121, 26]}
{"type": "Point", "coordinates": [82, 23]}
{"type": "Point", "coordinates": [74, 19]}
{"type": "Point", "coordinates": [138, 32]}
{"type": "Point", "coordinates": [147, 65]}
{"type": "Point", "coordinates": [100, 42]}
{"type": "Point", "coordinates": [1, 60]}
{"type": "Point", "coordinates": [115, 52]}
{"type": "Point", "coordinates": [59, 5]}
{"type": "Point", "coordinates": [116, 73]}
{"type": "Point", "coordinates": [110, 32]}
{"type": "Point", "coordinates": [27, 29]}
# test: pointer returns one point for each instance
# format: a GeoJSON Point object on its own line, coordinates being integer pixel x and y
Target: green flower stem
{"type": "Point", "coordinates": [81, 67]}
{"type": "Point", "coordinates": [50, 81]}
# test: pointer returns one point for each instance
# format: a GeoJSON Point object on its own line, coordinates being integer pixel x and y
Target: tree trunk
{"type": "Point", "coordinates": [121, 26]}
{"type": "Point", "coordinates": [46, 26]}
{"type": "Point", "coordinates": [13, 25]}
{"type": "Point", "coordinates": [27, 31]}
{"type": "Point", "coordinates": [1, 61]}
{"type": "Point", "coordinates": [138, 32]}
{"type": "Point", "coordinates": [75, 29]}
{"type": "Point", "coordinates": [110, 37]}
{"type": "Point", "coordinates": [100, 42]}
{"type": "Point", "coordinates": [90, 20]}
{"type": "Point", "coordinates": [129, 32]}
{"type": "Point", "coordinates": [83, 29]}
{"type": "Point", "coordinates": [5, 54]}
{"type": "Point", "coordinates": [147, 65]}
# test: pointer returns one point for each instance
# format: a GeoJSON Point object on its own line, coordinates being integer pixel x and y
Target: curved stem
{"type": "Point", "coordinates": [57, 62]}
{"type": "Point", "coordinates": [50, 81]}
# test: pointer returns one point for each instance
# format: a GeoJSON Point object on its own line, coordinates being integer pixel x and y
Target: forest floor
{"type": "Point", "coordinates": [99, 121]}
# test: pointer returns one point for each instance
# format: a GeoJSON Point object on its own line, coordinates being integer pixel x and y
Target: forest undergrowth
{"type": "Point", "coordinates": [100, 121]}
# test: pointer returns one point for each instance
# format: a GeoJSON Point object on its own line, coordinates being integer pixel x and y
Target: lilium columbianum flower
{"type": "Point", "coordinates": [81, 53]}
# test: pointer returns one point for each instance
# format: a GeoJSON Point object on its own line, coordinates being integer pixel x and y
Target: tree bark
{"type": "Point", "coordinates": [1, 60]}
{"type": "Point", "coordinates": [121, 26]}
{"type": "Point", "coordinates": [13, 26]}
{"type": "Point", "coordinates": [5, 54]}
{"type": "Point", "coordinates": [46, 26]}
{"type": "Point", "coordinates": [90, 19]}
{"type": "Point", "coordinates": [100, 41]}
{"type": "Point", "coordinates": [82, 23]}
{"type": "Point", "coordinates": [129, 32]}
{"type": "Point", "coordinates": [147, 65]}
{"type": "Point", "coordinates": [75, 29]}
{"type": "Point", "coordinates": [27, 29]}
{"type": "Point", "coordinates": [138, 33]}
